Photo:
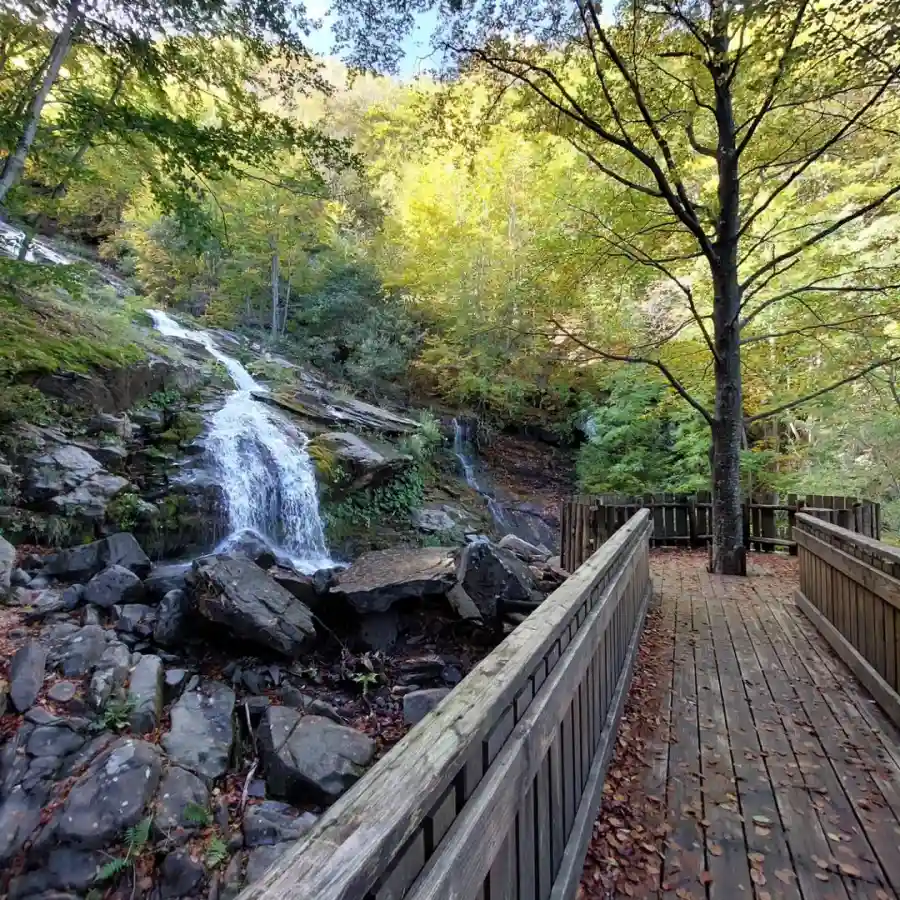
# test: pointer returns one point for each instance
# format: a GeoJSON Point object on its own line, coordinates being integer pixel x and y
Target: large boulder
{"type": "Point", "coordinates": [84, 562]}
{"type": "Point", "coordinates": [165, 578]}
{"type": "Point", "coordinates": [310, 757]}
{"type": "Point", "coordinates": [178, 791]}
{"type": "Point", "coordinates": [236, 593]}
{"type": "Point", "coordinates": [378, 580]}
{"type": "Point", "coordinates": [490, 576]}
{"type": "Point", "coordinates": [113, 585]}
{"type": "Point", "coordinates": [523, 549]}
{"type": "Point", "coordinates": [201, 734]}
{"type": "Point", "coordinates": [253, 545]}
{"type": "Point", "coordinates": [26, 674]}
{"type": "Point", "coordinates": [7, 564]}
{"type": "Point", "coordinates": [367, 465]}
{"type": "Point", "coordinates": [110, 796]}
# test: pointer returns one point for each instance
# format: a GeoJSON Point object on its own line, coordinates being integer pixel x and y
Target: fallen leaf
{"type": "Point", "coordinates": [757, 858]}
{"type": "Point", "coordinates": [822, 876]}
{"type": "Point", "coordinates": [715, 850]}
{"type": "Point", "coordinates": [757, 877]}
{"type": "Point", "coordinates": [762, 820]}
{"type": "Point", "coordinates": [785, 876]}
{"type": "Point", "coordinates": [846, 869]}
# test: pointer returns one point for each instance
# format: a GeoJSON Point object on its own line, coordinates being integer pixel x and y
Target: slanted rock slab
{"type": "Point", "coordinates": [378, 580]}
{"type": "Point", "coordinates": [84, 562]}
{"type": "Point", "coordinates": [310, 757]}
{"type": "Point", "coordinates": [110, 796]}
{"type": "Point", "coordinates": [26, 674]}
{"type": "Point", "coordinates": [236, 593]}
{"type": "Point", "coordinates": [146, 693]}
{"type": "Point", "coordinates": [201, 734]}
{"type": "Point", "coordinates": [369, 466]}
{"type": "Point", "coordinates": [491, 575]}
{"type": "Point", "coordinates": [525, 551]}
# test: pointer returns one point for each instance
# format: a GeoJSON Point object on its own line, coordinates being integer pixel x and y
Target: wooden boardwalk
{"type": "Point", "coordinates": [782, 777]}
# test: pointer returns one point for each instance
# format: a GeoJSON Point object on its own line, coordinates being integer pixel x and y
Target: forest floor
{"type": "Point", "coordinates": [750, 762]}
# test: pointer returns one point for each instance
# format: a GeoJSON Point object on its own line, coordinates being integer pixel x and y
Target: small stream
{"type": "Point", "coordinates": [462, 449]}
{"type": "Point", "coordinates": [266, 474]}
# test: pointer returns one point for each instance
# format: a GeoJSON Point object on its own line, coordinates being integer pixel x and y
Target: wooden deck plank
{"type": "Point", "coordinates": [777, 758]}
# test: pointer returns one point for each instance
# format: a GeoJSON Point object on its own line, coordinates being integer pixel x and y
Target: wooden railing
{"type": "Point", "coordinates": [494, 794]}
{"type": "Point", "coordinates": [682, 520]}
{"type": "Point", "coordinates": [850, 590]}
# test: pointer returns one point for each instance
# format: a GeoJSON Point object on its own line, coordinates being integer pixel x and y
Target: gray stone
{"type": "Point", "coordinates": [20, 814]}
{"type": "Point", "coordinates": [39, 582]}
{"type": "Point", "coordinates": [252, 545]}
{"type": "Point", "coordinates": [310, 757]}
{"type": "Point", "coordinates": [171, 619]}
{"type": "Point", "coordinates": [57, 739]}
{"type": "Point", "coordinates": [179, 874]}
{"type": "Point", "coordinates": [177, 790]}
{"type": "Point", "coordinates": [83, 562]}
{"type": "Point", "coordinates": [111, 796]}
{"type": "Point", "coordinates": [418, 704]}
{"type": "Point", "coordinates": [377, 580]}
{"type": "Point", "coordinates": [271, 822]}
{"type": "Point", "coordinates": [463, 604]}
{"type": "Point", "coordinates": [146, 692]}
{"type": "Point", "coordinates": [135, 618]}
{"type": "Point", "coordinates": [301, 586]}
{"type": "Point", "coordinates": [26, 674]}
{"type": "Point", "coordinates": [256, 707]}
{"type": "Point", "coordinates": [110, 675]}
{"type": "Point", "coordinates": [7, 565]}
{"type": "Point", "coordinates": [17, 578]}
{"type": "Point", "coordinates": [73, 596]}
{"type": "Point", "coordinates": [106, 423]}
{"type": "Point", "coordinates": [81, 651]}
{"type": "Point", "coordinates": [62, 691]}
{"type": "Point", "coordinates": [262, 858]}
{"type": "Point", "coordinates": [527, 552]}
{"type": "Point", "coordinates": [308, 705]}
{"type": "Point", "coordinates": [236, 593]}
{"type": "Point", "coordinates": [112, 586]}
{"type": "Point", "coordinates": [92, 615]}
{"type": "Point", "coordinates": [232, 877]}
{"type": "Point", "coordinates": [490, 575]}
{"type": "Point", "coordinates": [174, 681]}
{"type": "Point", "coordinates": [433, 520]}
{"type": "Point", "coordinates": [65, 868]}
{"type": "Point", "coordinates": [165, 578]}
{"type": "Point", "coordinates": [379, 630]}
{"type": "Point", "coordinates": [201, 734]}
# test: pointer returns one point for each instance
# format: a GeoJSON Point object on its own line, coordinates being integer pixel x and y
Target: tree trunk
{"type": "Point", "coordinates": [729, 556]}
{"type": "Point", "coordinates": [275, 287]}
{"type": "Point", "coordinates": [15, 161]}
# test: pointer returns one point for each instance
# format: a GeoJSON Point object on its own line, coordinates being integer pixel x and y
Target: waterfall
{"type": "Point", "coordinates": [461, 449]}
{"type": "Point", "coordinates": [267, 476]}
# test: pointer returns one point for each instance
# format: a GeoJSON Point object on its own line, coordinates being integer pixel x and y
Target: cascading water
{"type": "Point", "coordinates": [267, 475]}
{"type": "Point", "coordinates": [461, 449]}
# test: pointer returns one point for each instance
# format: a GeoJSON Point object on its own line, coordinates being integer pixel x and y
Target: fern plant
{"type": "Point", "coordinates": [136, 837]}
{"type": "Point", "coordinates": [197, 815]}
{"type": "Point", "coordinates": [216, 852]}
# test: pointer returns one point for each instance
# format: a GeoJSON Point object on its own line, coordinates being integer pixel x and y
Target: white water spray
{"type": "Point", "coordinates": [461, 451]}
{"type": "Point", "coordinates": [267, 475]}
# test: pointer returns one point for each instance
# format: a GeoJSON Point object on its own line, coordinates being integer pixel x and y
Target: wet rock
{"type": "Point", "coordinates": [418, 704]}
{"type": "Point", "coordinates": [262, 858]}
{"type": "Point", "coordinates": [163, 579]}
{"type": "Point", "coordinates": [135, 618]}
{"type": "Point", "coordinates": [7, 565]}
{"type": "Point", "coordinates": [62, 691]}
{"type": "Point", "coordinates": [65, 868]}
{"type": "Point", "coordinates": [26, 674]}
{"type": "Point", "coordinates": [523, 549]}
{"type": "Point", "coordinates": [201, 734]}
{"type": "Point", "coordinates": [236, 593]}
{"type": "Point", "coordinates": [146, 693]}
{"type": "Point", "coordinates": [310, 756]}
{"type": "Point", "coordinates": [303, 587]}
{"type": "Point", "coordinates": [171, 628]}
{"type": "Point", "coordinates": [114, 585]}
{"type": "Point", "coordinates": [84, 562]}
{"type": "Point", "coordinates": [178, 791]}
{"type": "Point", "coordinates": [111, 796]}
{"type": "Point", "coordinates": [271, 822]}
{"type": "Point", "coordinates": [81, 651]}
{"type": "Point", "coordinates": [490, 576]}
{"type": "Point", "coordinates": [379, 630]}
{"type": "Point", "coordinates": [110, 675]}
{"type": "Point", "coordinates": [179, 875]}
{"type": "Point", "coordinates": [378, 580]}
{"type": "Point", "coordinates": [252, 545]}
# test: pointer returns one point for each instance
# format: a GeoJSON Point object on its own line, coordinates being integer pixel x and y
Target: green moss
{"type": "Point", "coordinates": [24, 403]}
{"type": "Point", "coordinates": [123, 511]}
{"type": "Point", "coordinates": [184, 428]}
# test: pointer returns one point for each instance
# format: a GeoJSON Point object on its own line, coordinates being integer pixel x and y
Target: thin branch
{"type": "Point", "coordinates": [838, 324]}
{"type": "Point", "coordinates": [793, 404]}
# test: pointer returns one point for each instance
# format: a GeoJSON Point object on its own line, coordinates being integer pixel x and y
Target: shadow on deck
{"type": "Point", "coordinates": [767, 770]}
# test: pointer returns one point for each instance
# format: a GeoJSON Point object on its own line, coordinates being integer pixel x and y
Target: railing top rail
{"type": "Point", "coordinates": [353, 842]}
{"type": "Point", "coordinates": [886, 551]}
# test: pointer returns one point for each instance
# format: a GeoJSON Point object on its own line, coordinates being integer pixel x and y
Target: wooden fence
{"type": "Point", "coordinates": [686, 521]}
{"type": "Point", "coordinates": [850, 590]}
{"type": "Point", "coordinates": [494, 794]}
